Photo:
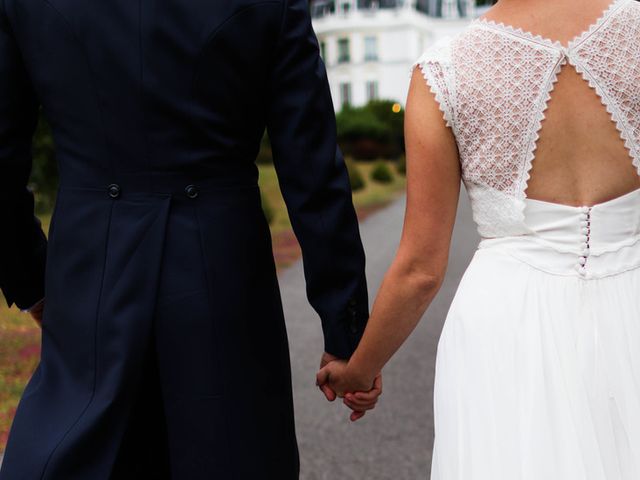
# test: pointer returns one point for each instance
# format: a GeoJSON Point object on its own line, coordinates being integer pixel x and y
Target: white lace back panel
{"type": "Point", "coordinates": [493, 83]}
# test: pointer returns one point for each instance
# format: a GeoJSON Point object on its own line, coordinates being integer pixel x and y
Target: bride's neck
{"type": "Point", "coordinates": [547, 14]}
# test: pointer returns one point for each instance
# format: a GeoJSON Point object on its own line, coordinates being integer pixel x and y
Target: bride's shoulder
{"type": "Point", "coordinates": [442, 50]}
{"type": "Point", "coordinates": [438, 52]}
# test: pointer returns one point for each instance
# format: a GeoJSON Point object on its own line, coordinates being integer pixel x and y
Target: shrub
{"type": "Point", "coordinates": [269, 214]}
{"type": "Point", "coordinates": [372, 131]}
{"type": "Point", "coordinates": [44, 171]}
{"type": "Point", "coordinates": [394, 123]}
{"type": "Point", "coordinates": [361, 133]}
{"type": "Point", "coordinates": [381, 172]}
{"type": "Point", "coordinates": [401, 166]}
{"type": "Point", "coordinates": [355, 175]}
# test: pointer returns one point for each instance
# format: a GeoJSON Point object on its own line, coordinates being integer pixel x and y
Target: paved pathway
{"type": "Point", "coordinates": [394, 441]}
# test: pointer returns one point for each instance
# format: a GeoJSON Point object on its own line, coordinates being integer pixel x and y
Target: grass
{"type": "Point", "coordinates": [20, 335]}
{"type": "Point", "coordinates": [374, 194]}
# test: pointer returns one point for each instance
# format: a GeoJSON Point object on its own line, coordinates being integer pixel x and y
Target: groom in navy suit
{"type": "Point", "coordinates": [164, 350]}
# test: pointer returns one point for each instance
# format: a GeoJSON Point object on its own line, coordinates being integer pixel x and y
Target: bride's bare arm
{"type": "Point", "coordinates": [417, 272]}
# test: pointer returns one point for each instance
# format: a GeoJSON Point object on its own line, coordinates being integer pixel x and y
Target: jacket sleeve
{"type": "Point", "coordinates": [22, 241]}
{"type": "Point", "coordinates": [314, 182]}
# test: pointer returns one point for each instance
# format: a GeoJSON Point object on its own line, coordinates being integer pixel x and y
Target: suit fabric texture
{"type": "Point", "coordinates": [164, 350]}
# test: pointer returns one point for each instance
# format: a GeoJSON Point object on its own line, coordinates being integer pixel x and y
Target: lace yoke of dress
{"type": "Point", "coordinates": [493, 83]}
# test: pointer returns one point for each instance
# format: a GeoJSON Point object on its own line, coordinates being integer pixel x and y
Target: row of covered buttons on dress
{"type": "Point", "coordinates": [585, 230]}
{"type": "Point", "coordinates": [114, 190]}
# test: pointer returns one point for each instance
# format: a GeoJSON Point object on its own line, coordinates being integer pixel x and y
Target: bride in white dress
{"type": "Point", "coordinates": [536, 108]}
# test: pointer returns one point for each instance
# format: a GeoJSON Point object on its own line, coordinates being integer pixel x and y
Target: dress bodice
{"type": "Point", "coordinates": [493, 83]}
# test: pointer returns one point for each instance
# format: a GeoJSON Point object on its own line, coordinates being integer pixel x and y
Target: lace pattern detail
{"type": "Point", "coordinates": [493, 83]}
{"type": "Point", "coordinates": [503, 86]}
{"type": "Point", "coordinates": [610, 62]}
{"type": "Point", "coordinates": [496, 213]}
{"type": "Point", "coordinates": [435, 64]}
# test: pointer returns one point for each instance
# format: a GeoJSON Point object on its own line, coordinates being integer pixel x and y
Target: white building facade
{"type": "Point", "coordinates": [368, 46]}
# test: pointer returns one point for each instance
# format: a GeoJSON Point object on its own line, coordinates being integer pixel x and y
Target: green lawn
{"type": "Point", "coordinates": [20, 335]}
{"type": "Point", "coordinates": [372, 196]}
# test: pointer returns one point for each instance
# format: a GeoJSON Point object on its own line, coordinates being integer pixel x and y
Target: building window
{"type": "Point", "coordinates": [343, 50]}
{"type": "Point", "coordinates": [345, 94]}
{"type": "Point", "coordinates": [372, 90]}
{"type": "Point", "coordinates": [450, 8]}
{"type": "Point", "coordinates": [323, 51]}
{"type": "Point", "coordinates": [370, 49]}
{"type": "Point", "coordinates": [463, 8]}
{"type": "Point", "coordinates": [322, 8]}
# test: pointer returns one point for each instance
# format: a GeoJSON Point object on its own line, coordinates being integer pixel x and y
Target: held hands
{"type": "Point", "coordinates": [336, 379]}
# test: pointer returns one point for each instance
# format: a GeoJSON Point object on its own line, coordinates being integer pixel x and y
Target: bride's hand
{"type": "Point", "coordinates": [358, 393]}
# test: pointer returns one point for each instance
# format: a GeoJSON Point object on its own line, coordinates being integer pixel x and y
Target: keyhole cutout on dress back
{"type": "Point", "coordinates": [580, 157]}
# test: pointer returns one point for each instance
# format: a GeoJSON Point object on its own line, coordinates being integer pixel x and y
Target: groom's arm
{"type": "Point", "coordinates": [22, 241]}
{"type": "Point", "coordinates": [315, 183]}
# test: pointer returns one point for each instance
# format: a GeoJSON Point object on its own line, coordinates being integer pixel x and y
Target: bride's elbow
{"type": "Point", "coordinates": [422, 279]}
{"type": "Point", "coordinates": [427, 283]}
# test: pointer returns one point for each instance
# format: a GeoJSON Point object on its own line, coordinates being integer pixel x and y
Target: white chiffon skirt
{"type": "Point", "coordinates": [538, 364]}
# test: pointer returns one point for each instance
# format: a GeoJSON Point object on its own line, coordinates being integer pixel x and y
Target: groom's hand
{"type": "Point", "coordinates": [326, 389]}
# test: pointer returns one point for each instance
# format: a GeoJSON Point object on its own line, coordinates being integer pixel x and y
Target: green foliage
{"type": "Point", "coordinates": [44, 171]}
{"type": "Point", "coordinates": [372, 131]}
{"type": "Point", "coordinates": [355, 175]}
{"type": "Point", "coordinates": [355, 123]}
{"type": "Point", "coordinates": [384, 111]}
{"type": "Point", "coordinates": [401, 165]}
{"type": "Point", "coordinates": [381, 172]}
{"type": "Point", "coordinates": [268, 210]}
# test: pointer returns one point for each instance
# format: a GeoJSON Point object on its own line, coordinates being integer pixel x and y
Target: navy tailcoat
{"type": "Point", "coordinates": [164, 349]}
